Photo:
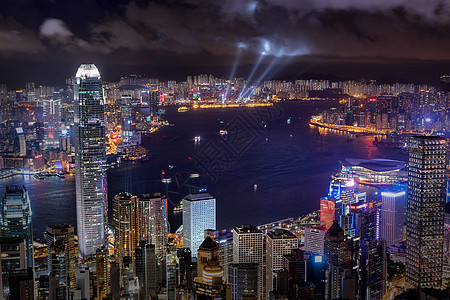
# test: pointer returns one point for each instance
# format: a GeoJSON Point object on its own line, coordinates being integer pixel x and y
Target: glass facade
{"type": "Point", "coordinates": [90, 153]}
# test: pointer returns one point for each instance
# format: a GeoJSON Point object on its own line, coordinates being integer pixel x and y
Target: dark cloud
{"type": "Point", "coordinates": [210, 32]}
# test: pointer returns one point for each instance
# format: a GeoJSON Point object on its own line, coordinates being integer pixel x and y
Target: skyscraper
{"type": "Point", "coordinates": [338, 254]}
{"type": "Point", "coordinates": [146, 269]}
{"type": "Point", "coordinates": [279, 242]}
{"type": "Point", "coordinates": [90, 155]}
{"type": "Point", "coordinates": [199, 213]}
{"type": "Point", "coordinates": [327, 211]}
{"type": "Point", "coordinates": [425, 211]}
{"type": "Point", "coordinates": [314, 239]}
{"type": "Point", "coordinates": [392, 216]}
{"type": "Point", "coordinates": [248, 248]}
{"type": "Point", "coordinates": [102, 268]}
{"type": "Point", "coordinates": [15, 219]}
{"type": "Point", "coordinates": [62, 236]}
{"type": "Point", "coordinates": [158, 223]}
{"type": "Point", "coordinates": [243, 279]}
{"type": "Point", "coordinates": [124, 218]}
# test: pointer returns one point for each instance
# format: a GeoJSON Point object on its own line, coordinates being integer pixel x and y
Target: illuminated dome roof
{"type": "Point", "coordinates": [212, 274]}
{"type": "Point", "coordinates": [88, 71]}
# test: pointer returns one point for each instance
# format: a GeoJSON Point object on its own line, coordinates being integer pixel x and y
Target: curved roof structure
{"type": "Point", "coordinates": [376, 164]}
{"type": "Point", "coordinates": [88, 71]}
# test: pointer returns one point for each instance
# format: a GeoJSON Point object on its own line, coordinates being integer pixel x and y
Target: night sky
{"type": "Point", "coordinates": [388, 40]}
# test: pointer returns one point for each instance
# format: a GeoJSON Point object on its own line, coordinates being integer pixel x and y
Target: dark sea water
{"type": "Point", "coordinates": [291, 165]}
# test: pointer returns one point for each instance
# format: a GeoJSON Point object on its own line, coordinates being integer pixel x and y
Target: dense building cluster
{"type": "Point", "coordinates": [344, 252]}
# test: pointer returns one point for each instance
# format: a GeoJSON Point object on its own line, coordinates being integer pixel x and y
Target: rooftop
{"type": "Point", "coordinates": [376, 164]}
{"type": "Point", "coordinates": [88, 71]}
{"type": "Point", "coordinates": [198, 197]}
{"type": "Point", "coordinates": [281, 234]}
{"type": "Point", "coordinates": [247, 228]}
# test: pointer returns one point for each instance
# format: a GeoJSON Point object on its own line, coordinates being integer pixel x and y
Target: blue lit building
{"type": "Point", "coordinates": [199, 214]}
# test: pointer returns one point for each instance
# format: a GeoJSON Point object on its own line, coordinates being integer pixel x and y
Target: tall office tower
{"type": "Point", "coordinates": [208, 251]}
{"type": "Point", "coordinates": [225, 242]}
{"type": "Point", "coordinates": [158, 223]}
{"type": "Point", "coordinates": [90, 153]}
{"type": "Point", "coordinates": [248, 248]}
{"type": "Point", "coordinates": [129, 281]}
{"type": "Point", "coordinates": [362, 221]}
{"type": "Point", "coordinates": [425, 211]}
{"type": "Point", "coordinates": [327, 211]}
{"type": "Point", "coordinates": [12, 257]}
{"type": "Point", "coordinates": [154, 103]}
{"type": "Point", "coordinates": [63, 234]}
{"type": "Point", "coordinates": [187, 268]}
{"type": "Point", "coordinates": [127, 120]}
{"type": "Point", "coordinates": [243, 279]}
{"type": "Point", "coordinates": [52, 121]}
{"type": "Point", "coordinates": [315, 239]}
{"type": "Point", "coordinates": [338, 253]}
{"type": "Point", "coordinates": [58, 276]}
{"type": "Point", "coordinates": [199, 213]}
{"type": "Point", "coordinates": [373, 266]}
{"type": "Point", "coordinates": [392, 216]}
{"type": "Point", "coordinates": [171, 280]}
{"type": "Point", "coordinates": [124, 218]}
{"type": "Point", "coordinates": [295, 264]}
{"type": "Point", "coordinates": [146, 269]}
{"type": "Point", "coordinates": [83, 289]}
{"type": "Point", "coordinates": [102, 268]}
{"type": "Point", "coordinates": [278, 243]}
{"type": "Point", "coordinates": [20, 144]}
{"type": "Point", "coordinates": [15, 219]}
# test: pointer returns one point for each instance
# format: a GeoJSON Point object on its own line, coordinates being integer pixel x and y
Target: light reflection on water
{"type": "Point", "coordinates": [292, 169]}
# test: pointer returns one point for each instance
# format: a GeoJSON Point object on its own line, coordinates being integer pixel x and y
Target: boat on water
{"type": "Point", "coordinates": [183, 109]}
{"type": "Point", "coordinates": [178, 208]}
{"type": "Point", "coordinates": [38, 176]}
{"type": "Point", "coordinates": [223, 132]}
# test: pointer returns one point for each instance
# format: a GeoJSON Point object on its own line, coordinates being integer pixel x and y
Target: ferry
{"type": "Point", "coordinates": [223, 132]}
{"type": "Point", "coordinates": [178, 208]}
{"type": "Point", "coordinates": [38, 176]}
{"type": "Point", "coordinates": [183, 109]}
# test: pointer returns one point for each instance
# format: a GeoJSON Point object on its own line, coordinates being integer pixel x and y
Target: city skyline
{"type": "Point", "coordinates": [224, 150]}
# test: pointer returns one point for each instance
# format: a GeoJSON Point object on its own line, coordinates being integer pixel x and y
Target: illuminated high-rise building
{"type": "Point", "coordinates": [15, 219]}
{"type": "Point", "coordinates": [199, 214]}
{"type": "Point", "coordinates": [124, 222]}
{"type": "Point", "coordinates": [90, 153]}
{"type": "Point", "coordinates": [279, 242]}
{"type": "Point", "coordinates": [63, 237]}
{"type": "Point", "coordinates": [127, 120]}
{"type": "Point", "coordinates": [392, 216]}
{"type": "Point", "coordinates": [158, 223]}
{"type": "Point", "coordinates": [154, 105]}
{"type": "Point", "coordinates": [103, 272]}
{"type": "Point", "coordinates": [314, 239]}
{"type": "Point", "coordinates": [327, 211]}
{"type": "Point", "coordinates": [425, 211]}
{"type": "Point", "coordinates": [248, 248]}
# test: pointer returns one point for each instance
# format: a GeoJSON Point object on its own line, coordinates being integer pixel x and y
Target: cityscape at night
{"type": "Point", "coordinates": [235, 149]}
